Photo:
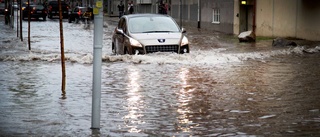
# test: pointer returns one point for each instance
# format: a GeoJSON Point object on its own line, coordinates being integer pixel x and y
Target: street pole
{"type": "Point", "coordinates": [29, 12]}
{"type": "Point", "coordinates": [17, 21]}
{"type": "Point", "coordinates": [97, 61]}
{"type": "Point", "coordinates": [20, 20]}
{"type": "Point", "coordinates": [180, 13]}
{"type": "Point", "coordinates": [199, 13]}
{"type": "Point", "coordinates": [63, 64]}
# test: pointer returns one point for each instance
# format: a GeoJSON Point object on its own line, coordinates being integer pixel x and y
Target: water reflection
{"type": "Point", "coordinates": [184, 100]}
{"type": "Point", "coordinates": [134, 104]}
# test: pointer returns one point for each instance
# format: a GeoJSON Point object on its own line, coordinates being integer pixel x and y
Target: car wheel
{"type": "Point", "coordinates": [125, 51]}
{"type": "Point", "coordinates": [128, 51]}
{"type": "Point", "coordinates": [118, 49]}
{"type": "Point", "coordinates": [44, 18]}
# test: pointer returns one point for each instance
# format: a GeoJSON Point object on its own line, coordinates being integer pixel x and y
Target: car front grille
{"type": "Point", "coordinates": [161, 48]}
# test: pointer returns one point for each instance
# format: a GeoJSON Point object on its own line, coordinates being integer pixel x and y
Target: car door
{"type": "Point", "coordinates": [119, 39]}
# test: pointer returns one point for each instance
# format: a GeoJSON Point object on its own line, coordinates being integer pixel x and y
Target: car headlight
{"type": "Point", "coordinates": [135, 43]}
{"type": "Point", "coordinates": [184, 41]}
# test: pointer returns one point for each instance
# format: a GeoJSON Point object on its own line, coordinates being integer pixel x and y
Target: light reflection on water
{"type": "Point", "coordinates": [183, 99]}
{"type": "Point", "coordinates": [135, 104]}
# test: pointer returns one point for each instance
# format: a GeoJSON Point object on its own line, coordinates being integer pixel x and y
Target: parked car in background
{"type": "Point", "coordinates": [25, 4]}
{"type": "Point", "coordinates": [53, 9]}
{"type": "Point", "coordinates": [36, 11]}
{"type": "Point", "coordinates": [148, 33]}
{"type": "Point", "coordinates": [2, 9]}
{"type": "Point", "coordinates": [80, 14]}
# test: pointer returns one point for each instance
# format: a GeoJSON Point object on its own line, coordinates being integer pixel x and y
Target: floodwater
{"type": "Point", "coordinates": [222, 88]}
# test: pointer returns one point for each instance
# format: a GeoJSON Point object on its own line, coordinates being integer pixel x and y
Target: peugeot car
{"type": "Point", "coordinates": [148, 33]}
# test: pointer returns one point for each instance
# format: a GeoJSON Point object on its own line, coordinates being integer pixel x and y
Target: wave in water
{"type": "Point", "coordinates": [216, 56]}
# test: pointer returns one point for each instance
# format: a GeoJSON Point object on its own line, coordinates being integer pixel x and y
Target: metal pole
{"type": "Point", "coordinates": [29, 12]}
{"type": "Point", "coordinates": [97, 61]}
{"type": "Point", "coordinates": [199, 13]}
{"type": "Point", "coordinates": [17, 20]}
{"type": "Point", "coordinates": [20, 20]}
{"type": "Point", "coordinates": [63, 64]}
{"type": "Point", "coordinates": [181, 13]}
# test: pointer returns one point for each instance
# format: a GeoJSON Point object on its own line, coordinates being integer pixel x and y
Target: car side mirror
{"type": "Point", "coordinates": [183, 30]}
{"type": "Point", "coordinates": [119, 31]}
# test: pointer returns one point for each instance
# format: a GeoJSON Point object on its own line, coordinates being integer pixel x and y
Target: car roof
{"type": "Point", "coordinates": [145, 15]}
{"type": "Point", "coordinates": [81, 7]}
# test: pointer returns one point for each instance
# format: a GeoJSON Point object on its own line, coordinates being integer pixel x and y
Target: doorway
{"type": "Point", "coordinates": [246, 15]}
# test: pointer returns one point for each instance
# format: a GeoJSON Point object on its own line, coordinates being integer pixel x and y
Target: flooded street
{"type": "Point", "coordinates": [222, 88]}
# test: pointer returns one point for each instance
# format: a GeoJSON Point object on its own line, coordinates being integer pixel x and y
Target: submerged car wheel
{"type": "Point", "coordinates": [125, 51]}
{"type": "Point", "coordinates": [119, 50]}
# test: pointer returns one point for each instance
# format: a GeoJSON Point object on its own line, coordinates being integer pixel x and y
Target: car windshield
{"type": "Point", "coordinates": [39, 6]}
{"type": "Point", "coordinates": [1, 5]}
{"type": "Point", "coordinates": [84, 9]}
{"type": "Point", "coordinates": [152, 25]}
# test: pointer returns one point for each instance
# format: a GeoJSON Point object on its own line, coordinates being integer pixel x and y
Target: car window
{"type": "Point", "coordinates": [2, 5]}
{"type": "Point", "coordinates": [39, 7]}
{"type": "Point", "coordinates": [76, 9]}
{"type": "Point", "coordinates": [120, 24]}
{"type": "Point", "coordinates": [84, 9]}
{"type": "Point", "coordinates": [26, 3]}
{"type": "Point", "coordinates": [152, 24]}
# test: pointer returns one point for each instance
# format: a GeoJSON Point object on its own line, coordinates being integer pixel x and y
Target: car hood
{"type": "Point", "coordinates": [158, 38]}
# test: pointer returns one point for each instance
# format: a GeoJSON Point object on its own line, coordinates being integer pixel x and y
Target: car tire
{"type": "Point", "coordinates": [44, 18]}
{"type": "Point", "coordinates": [118, 50]}
{"type": "Point", "coordinates": [125, 51]}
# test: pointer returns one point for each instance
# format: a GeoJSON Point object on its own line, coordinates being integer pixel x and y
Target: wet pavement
{"type": "Point", "coordinates": [222, 88]}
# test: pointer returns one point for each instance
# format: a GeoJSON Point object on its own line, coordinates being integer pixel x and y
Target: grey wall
{"type": "Point", "coordinates": [190, 14]}
{"type": "Point", "coordinates": [226, 15]}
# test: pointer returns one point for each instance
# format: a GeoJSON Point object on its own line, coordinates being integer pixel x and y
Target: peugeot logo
{"type": "Point", "coordinates": [161, 40]}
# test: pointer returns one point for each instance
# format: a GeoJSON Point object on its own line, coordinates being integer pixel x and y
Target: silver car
{"type": "Point", "coordinates": [148, 33]}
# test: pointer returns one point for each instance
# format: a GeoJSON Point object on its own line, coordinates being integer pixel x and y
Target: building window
{"type": "Point", "coordinates": [216, 16]}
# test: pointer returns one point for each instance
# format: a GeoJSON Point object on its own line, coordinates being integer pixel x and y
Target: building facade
{"type": "Point", "coordinates": [270, 18]}
{"type": "Point", "coordinates": [280, 18]}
